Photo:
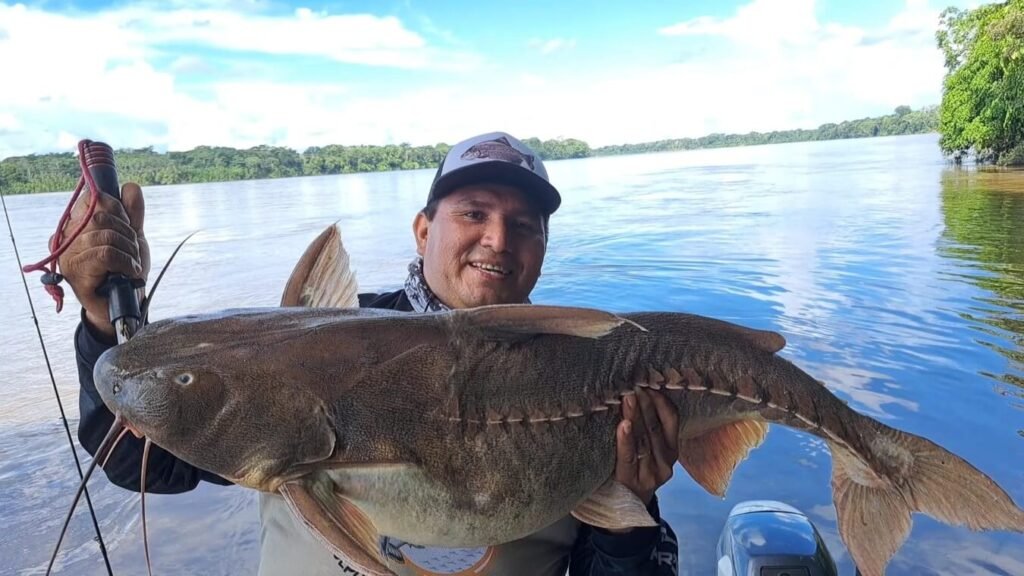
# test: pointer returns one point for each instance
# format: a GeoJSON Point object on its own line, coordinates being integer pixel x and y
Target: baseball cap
{"type": "Point", "coordinates": [495, 157]}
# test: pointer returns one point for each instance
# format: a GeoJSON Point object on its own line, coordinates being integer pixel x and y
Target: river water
{"type": "Point", "coordinates": [896, 279]}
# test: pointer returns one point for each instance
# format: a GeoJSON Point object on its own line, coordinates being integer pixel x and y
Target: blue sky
{"type": "Point", "coordinates": [182, 73]}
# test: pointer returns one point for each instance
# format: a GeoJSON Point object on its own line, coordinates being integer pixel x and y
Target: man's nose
{"type": "Point", "coordinates": [496, 236]}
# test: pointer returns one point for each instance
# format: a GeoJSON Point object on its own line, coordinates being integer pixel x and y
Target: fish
{"type": "Point", "coordinates": [475, 427]}
{"type": "Point", "coordinates": [499, 148]}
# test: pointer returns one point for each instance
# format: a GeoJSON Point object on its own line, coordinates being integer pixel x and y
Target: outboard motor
{"type": "Point", "coordinates": [768, 538]}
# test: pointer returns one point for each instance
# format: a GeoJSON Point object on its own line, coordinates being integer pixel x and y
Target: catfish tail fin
{"type": "Point", "coordinates": [910, 474]}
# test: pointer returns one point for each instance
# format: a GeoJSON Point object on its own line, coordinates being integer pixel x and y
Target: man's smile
{"type": "Point", "coordinates": [491, 270]}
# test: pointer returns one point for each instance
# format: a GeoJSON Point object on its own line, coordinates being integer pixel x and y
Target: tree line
{"type": "Point", "coordinates": [60, 171]}
{"type": "Point", "coordinates": [903, 121]}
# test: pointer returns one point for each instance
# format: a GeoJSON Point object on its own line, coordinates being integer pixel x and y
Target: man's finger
{"type": "Point", "coordinates": [106, 237]}
{"type": "Point", "coordinates": [668, 414]}
{"type": "Point", "coordinates": [104, 203]}
{"type": "Point", "coordinates": [655, 437]}
{"type": "Point", "coordinates": [631, 411]}
{"type": "Point", "coordinates": [134, 204]}
{"type": "Point", "coordinates": [625, 454]}
{"type": "Point", "coordinates": [106, 220]}
{"type": "Point", "coordinates": [115, 261]}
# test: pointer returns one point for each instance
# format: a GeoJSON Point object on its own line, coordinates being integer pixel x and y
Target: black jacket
{"type": "Point", "coordinates": [643, 551]}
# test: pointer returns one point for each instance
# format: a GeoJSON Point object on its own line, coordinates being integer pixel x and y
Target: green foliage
{"type": "Point", "coordinates": [982, 106]}
{"type": "Point", "coordinates": [1013, 156]}
{"type": "Point", "coordinates": [559, 149]}
{"type": "Point", "coordinates": [60, 172]}
{"type": "Point", "coordinates": [903, 121]}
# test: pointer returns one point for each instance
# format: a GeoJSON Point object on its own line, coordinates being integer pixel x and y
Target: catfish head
{"type": "Point", "coordinates": [203, 388]}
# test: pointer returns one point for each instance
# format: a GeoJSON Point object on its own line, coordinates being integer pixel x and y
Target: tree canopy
{"type": "Point", "coordinates": [60, 171]}
{"type": "Point", "coordinates": [982, 107]}
{"type": "Point", "coordinates": [902, 121]}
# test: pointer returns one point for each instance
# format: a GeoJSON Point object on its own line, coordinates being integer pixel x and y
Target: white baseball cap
{"type": "Point", "coordinates": [495, 157]}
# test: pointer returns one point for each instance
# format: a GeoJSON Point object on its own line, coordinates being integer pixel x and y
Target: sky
{"type": "Point", "coordinates": [176, 74]}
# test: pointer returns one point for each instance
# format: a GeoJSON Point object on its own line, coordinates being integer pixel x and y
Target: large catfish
{"type": "Point", "coordinates": [477, 427]}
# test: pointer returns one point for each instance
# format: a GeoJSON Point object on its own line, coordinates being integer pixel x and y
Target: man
{"type": "Point", "coordinates": [480, 239]}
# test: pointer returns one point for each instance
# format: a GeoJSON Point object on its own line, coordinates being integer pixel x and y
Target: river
{"type": "Point", "coordinates": [896, 278]}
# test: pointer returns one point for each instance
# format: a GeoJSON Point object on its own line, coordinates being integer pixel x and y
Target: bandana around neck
{"type": "Point", "coordinates": [420, 295]}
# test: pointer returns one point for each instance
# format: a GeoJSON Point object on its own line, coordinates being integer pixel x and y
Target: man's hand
{"type": "Point", "coordinates": [646, 442]}
{"type": "Point", "coordinates": [112, 242]}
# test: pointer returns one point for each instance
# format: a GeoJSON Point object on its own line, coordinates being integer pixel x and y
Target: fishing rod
{"type": "Point", "coordinates": [99, 174]}
{"type": "Point", "coordinates": [53, 382]}
{"type": "Point", "coordinates": [123, 300]}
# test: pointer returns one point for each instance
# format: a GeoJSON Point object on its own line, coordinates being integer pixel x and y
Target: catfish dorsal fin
{"type": "Point", "coordinates": [767, 340]}
{"type": "Point", "coordinates": [323, 277]}
{"type": "Point", "coordinates": [518, 321]}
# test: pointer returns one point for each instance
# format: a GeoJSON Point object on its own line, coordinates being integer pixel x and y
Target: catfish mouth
{"type": "Point", "coordinates": [129, 394]}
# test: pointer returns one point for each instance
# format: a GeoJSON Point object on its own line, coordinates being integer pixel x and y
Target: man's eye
{"type": "Point", "coordinates": [475, 215]}
{"type": "Point", "coordinates": [527, 226]}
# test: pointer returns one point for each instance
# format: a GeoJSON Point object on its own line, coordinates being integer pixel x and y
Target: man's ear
{"type": "Point", "coordinates": [420, 225]}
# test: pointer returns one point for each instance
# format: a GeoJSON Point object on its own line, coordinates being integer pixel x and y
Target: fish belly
{"type": "Point", "coordinates": [485, 488]}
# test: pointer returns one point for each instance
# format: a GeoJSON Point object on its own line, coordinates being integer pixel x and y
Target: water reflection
{"type": "Point", "coordinates": [894, 280]}
{"type": "Point", "coordinates": [983, 212]}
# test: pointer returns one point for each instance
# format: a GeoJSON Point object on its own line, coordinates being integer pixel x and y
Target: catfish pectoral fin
{"type": "Point", "coordinates": [613, 506]}
{"type": "Point", "coordinates": [512, 322]}
{"type": "Point", "coordinates": [712, 457]}
{"type": "Point", "coordinates": [874, 508]}
{"type": "Point", "coordinates": [337, 522]}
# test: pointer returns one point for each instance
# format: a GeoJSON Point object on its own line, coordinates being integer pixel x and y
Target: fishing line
{"type": "Point", "coordinates": [53, 381]}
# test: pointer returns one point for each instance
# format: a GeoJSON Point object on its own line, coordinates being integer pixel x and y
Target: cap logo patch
{"type": "Point", "coordinates": [497, 149]}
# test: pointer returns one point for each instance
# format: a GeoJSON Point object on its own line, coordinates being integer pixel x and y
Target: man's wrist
{"type": "Point", "coordinates": [100, 328]}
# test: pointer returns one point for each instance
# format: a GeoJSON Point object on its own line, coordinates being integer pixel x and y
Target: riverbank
{"type": "Point", "coordinates": [60, 171]}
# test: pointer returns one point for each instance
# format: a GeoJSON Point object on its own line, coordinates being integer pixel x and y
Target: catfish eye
{"type": "Point", "coordinates": [184, 378]}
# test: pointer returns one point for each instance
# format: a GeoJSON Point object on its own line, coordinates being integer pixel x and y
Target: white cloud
{"type": "Point", "coordinates": [67, 141]}
{"type": "Point", "coordinates": [187, 64]}
{"type": "Point", "coordinates": [531, 80]}
{"type": "Point", "coordinates": [783, 67]}
{"type": "Point", "coordinates": [8, 121]}
{"type": "Point", "coordinates": [762, 23]}
{"type": "Point", "coordinates": [775, 65]}
{"type": "Point", "coordinates": [350, 38]}
{"type": "Point", "coordinates": [94, 75]}
{"type": "Point", "coordinates": [552, 45]}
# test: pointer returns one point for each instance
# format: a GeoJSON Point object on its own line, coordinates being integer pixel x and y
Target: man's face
{"type": "Point", "coordinates": [484, 246]}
